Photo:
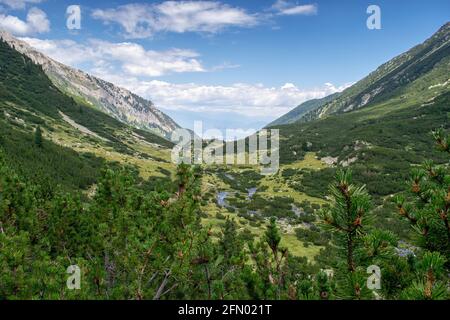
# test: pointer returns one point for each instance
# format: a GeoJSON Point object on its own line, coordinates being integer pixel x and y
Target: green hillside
{"type": "Point", "coordinates": [419, 74]}
{"type": "Point", "coordinates": [381, 147]}
{"type": "Point", "coordinates": [390, 133]}
{"type": "Point", "coordinates": [28, 99]}
{"type": "Point", "coordinates": [301, 110]}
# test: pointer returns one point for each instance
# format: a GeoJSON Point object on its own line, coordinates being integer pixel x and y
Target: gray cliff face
{"type": "Point", "coordinates": [120, 103]}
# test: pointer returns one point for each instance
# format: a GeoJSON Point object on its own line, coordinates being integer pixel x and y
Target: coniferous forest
{"type": "Point", "coordinates": [133, 243]}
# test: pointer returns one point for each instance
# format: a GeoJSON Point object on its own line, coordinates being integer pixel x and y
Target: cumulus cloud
{"type": "Point", "coordinates": [19, 4]}
{"type": "Point", "coordinates": [36, 22]}
{"type": "Point", "coordinates": [255, 100]}
{"type": "Point", "coordinates": [241, 105]}
{"type": "Point", "coordinates": [130, 66]}
{"type": "Point", "coordinates": [287, 8]}
{"type": "Point", "coordinates": [144, 20]}
{"type": "Point", "coordinates": [126, 58]}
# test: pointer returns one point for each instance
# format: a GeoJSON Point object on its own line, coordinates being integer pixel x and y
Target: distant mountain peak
{"type": "Point", "coordinates": [297, 113]}
{"type": "Point", "coordinates": [118, 102]}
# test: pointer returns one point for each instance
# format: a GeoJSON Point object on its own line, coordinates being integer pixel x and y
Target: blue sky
{"type": "Point", "coordinates": [232, 64]}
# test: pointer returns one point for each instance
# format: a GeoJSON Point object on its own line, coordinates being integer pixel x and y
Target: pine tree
{"type": "Point", "coordinates": [427, 209]}
{"type": "Point", "coordinates": [38, 137]}
{"type": "Point", "coordinates": [231, 244]}
{"type": "Point", "coordinates": [349, 221]}
{"type": "Point", "coordinates": [270, 260]}
{"type": "Point", "coordinates": [272, 236]}
{"type": "Point", "coordinates": [323, 285]}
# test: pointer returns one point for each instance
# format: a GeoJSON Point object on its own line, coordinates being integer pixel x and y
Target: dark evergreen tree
{"type": "Point", "coordinates": [349, 219]}
{"type": "Point", "coordinates": [38, 137]}
{"type": "Point", "coordinates": [427, 209]}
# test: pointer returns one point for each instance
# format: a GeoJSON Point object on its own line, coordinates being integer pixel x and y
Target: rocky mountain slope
{"type": "Point", "coordinates": [77, 140]}
{"type": "Point", "coordinates": [120, 103]}
{"type": "Point", "coordinates": [420, 75]}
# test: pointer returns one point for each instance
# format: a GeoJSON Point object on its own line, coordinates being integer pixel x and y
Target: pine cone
{"type": "Point", "coordinates": [324, 295]}
{"type": "Point", "coordinates": [402, 212]}
{"type": "Point", "coordinates": [357, 222]}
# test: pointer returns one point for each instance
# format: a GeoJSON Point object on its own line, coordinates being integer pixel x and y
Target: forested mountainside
{"type": "Point", "coordinates": [384, 137]}
{"type": "Point", "coordinates": [297, 113]}
{"type": "Point", "coordinates": [120, 103]}
{"type": "Point", "coordinates": [78, 137]}
{"type": "Point", "coordinates": [418, 75]}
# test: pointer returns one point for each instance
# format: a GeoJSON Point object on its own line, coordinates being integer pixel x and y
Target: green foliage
{"type": "Point", "coordinates": [384, 143]}
{"type": "Point", "coordinates": [431, 282]}
{"type": "Point", "coordinates": [442, 140]}
{"type": "Point", "coordinates": [38, 137]}
{"type": "Point", "coordinates": [24, 84]}
{"type": "Point", "coordinates": [129, 244]}
{"type": "Point", "coordinates": [263, 207]}
{"type": "Point", "coordinates": [428, 207]}
{"type": "Point", "coordinates": [271, 268]}
{"type": "Point", "coordinates": [313, 235]}
{"type": "Point", "coordinates": [54, 165]}
{"type": "Point", "coordinates": [427, 211]}
{"type": "Point", "coordinates": [241, 182]}
{"type": "Point", "coordinates": [349, 219]}
{"type": "Point", "coordinates": [29, 100]}
{"type": "Point", "coordinates": [272, 235]}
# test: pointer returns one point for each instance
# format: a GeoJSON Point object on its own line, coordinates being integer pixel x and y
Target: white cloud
{"type": "Point", "coordinates": [225, 65]}
{"type": "Point", "coordinates": [13, 24]}
{"type": "Point", "coordinates": [254, 100]}
{"type": "Point", "coordinates": [19, 4]}
{"type": "Point", "coordinates": [284, 7]}
{"type": "Point", "coordinates": [144, 20]}
{"type": "Point", "coordinates": [127, 59]}
{"type": "Point", "coordinates": [129, 65]}
{"type": "Point", "coordinates": [36, 22]}
{"type": "Point", "coordinates": [65, 51]}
